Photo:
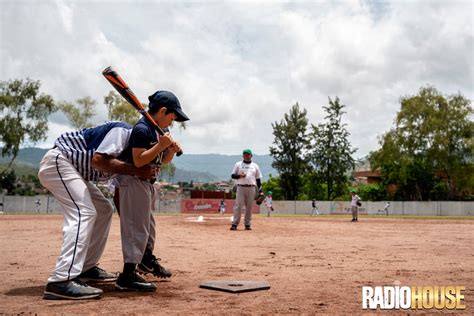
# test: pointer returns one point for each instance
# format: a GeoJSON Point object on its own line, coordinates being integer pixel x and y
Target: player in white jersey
{"type": "Point", "coordinates": [247, 175]}
{"type": "Point", "coordinates": [269, 203]}
{"type": "Point", "coordinates": [67, 171]}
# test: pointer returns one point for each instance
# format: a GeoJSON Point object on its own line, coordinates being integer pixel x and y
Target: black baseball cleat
{"type": "Point", "coordinates": [233, 227]}
{"type": "Point", "coordinates": [96, 274]}
{"type": "Point", "coordinates": [151, 264]}
{"type": "Point", "coordinates": [247, 227]}
{"type": "Point", "coordinates": [133, 282]}
{"type": "Point", "coordinates": [70, 290]}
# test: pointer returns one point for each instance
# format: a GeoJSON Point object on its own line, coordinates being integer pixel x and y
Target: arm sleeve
{"type": "Point", "coordinates": [258, 173]}
{"type": "Point", "coordinates": [139, 138]}
{"type": "Point", "coordinates": [259, 184]}
{"type": "Point", "coordinates": [235, 172]}
{"type": "Point", "coordinates": [114, 142]}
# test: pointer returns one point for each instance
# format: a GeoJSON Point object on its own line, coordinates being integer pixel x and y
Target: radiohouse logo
{"type": "Point", "coordinates": [413, 297]}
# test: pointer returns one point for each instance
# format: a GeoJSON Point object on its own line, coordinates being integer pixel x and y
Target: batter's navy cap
{"type": "Point", "coordinates": [168, 100]}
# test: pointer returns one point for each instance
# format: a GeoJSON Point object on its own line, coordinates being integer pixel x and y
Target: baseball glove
{"type": "Point", "coordinates": [260, 198]}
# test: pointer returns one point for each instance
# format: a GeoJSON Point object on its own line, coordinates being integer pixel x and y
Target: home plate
{"type": "Point", "coordinates": [235, 286]}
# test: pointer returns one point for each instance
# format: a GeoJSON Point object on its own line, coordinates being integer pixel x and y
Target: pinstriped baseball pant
{"type": "Point", "coordinates": [87, 216]}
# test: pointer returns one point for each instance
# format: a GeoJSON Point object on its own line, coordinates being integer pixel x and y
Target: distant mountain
{"type": "Point", "coordinates": [221, 165]}
{"type": "Point", "coordinates": [189, 167]}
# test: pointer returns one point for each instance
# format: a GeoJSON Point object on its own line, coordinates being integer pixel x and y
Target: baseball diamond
{"type": "Point", "coordinates": [316, 264]}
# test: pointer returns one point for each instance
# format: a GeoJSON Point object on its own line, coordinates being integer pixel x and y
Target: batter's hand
{"type": "Point", "coordinates": [166, 140]}
{"type": "Point", "coordinates": [175, 147]}
{"type": "Point", "coordinates": [147, 172]}
{"type": "Point", "coordinates": [242, 174]}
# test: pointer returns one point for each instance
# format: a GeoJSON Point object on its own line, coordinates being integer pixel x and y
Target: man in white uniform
{"type": "Point", "coordinates": [68, 171]}
{"type": "Point", "coordinates": [268, 203]}
{"type": "Point", "coordinates": [247, 176]}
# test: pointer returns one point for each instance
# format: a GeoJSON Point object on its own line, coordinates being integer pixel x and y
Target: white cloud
{"type": "Point", "coordinates": [238, 66]}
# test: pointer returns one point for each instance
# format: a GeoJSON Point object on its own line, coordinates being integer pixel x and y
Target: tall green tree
{"type": "Point", "coordinates": [331, 154]}
{"type": "Point", "coordinates": [429, 148]}
{"type": "Point", "coordinates": [24, 116]}
{"type": "Point", "coordinates": [273, 185]}
{"type": "Point", "coordinates": [119, 109]}
{"type": "Point", "coordinates": [79, 114]}
{"type": "Point", "coordinates": [289, 150]}
{"type": "Point", "coordinates": [7, 181]}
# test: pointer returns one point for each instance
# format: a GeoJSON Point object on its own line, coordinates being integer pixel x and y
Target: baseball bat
{"type": "Point", "coordinates": [121, 86]}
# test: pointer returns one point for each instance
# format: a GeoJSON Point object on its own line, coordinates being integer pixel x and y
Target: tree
{"type": "Point", "coordinates": [7, 181]}
{"type": "Point", "coordinates": [272, 184]}
{"type": "Point", "coordinates": [430, 144]}
{"type": "Point", "coordinates": [120, 110]}
{"type": "Point", "coordinates": [168, 169]}
{"type": "Point", "coordinates": [25, 114]}
{"type": "Point", "coordinates": [291, 143]}
{"type": "Point", "coordinates": [331, 154]}
{"type": "Point", "coordinates": [80, 113]}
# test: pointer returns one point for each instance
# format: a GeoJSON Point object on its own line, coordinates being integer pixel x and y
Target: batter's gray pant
{"type": "Point", "coordinates": [87, 216]}
{"type": "Point", "coordinates": [137, 224]}
{"type": "Point", "coordinates": [245, 198]}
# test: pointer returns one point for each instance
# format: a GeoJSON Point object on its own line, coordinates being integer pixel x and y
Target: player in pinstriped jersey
{"type": "Point", "coordinates": [68, 171]}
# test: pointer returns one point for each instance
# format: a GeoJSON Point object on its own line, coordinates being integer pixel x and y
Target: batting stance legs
{"type": "Point", "coordinates": [87, 217]}
{"type": "Point", "coordinates": [137, 224]}
{"type": "Point", "coordinates": [245, 197]}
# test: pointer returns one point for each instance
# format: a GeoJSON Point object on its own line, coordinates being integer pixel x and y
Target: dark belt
{"type": "Point", "coordinates": [245, 185]}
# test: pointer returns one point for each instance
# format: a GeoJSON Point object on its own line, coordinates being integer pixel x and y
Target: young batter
{"type": "Point", "coordinates": [138, 195]}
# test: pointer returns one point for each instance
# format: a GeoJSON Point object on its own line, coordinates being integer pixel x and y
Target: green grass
{"type": "Point", "coordinates": [372, 216]}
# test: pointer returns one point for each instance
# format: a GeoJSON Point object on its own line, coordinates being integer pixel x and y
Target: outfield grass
{"type": "Point", "coordinates": [372, 216]}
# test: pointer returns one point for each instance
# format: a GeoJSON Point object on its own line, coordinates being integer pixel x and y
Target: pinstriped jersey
{"type": "Point", "coordinates": [78, 147]}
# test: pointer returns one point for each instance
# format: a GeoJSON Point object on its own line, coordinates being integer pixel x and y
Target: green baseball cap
{"type": "Point", "coordinates": [269, 192]}
{"type": "Point", "coordinates": [354, 190]}
{"type": "Point", "coordinates": [247, 151]}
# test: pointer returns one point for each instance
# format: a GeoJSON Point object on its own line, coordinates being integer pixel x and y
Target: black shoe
{"type": "Point", "coordinates": [248, 227]}
{"type": "Point", "coordinates": [233, 227]}
{"type": "Point", "coordinates": [133, 282]}
{"type": "Point", "coordinates": [150, 264]}
{"type": "Point", "coordinates": [97, 274]}
{"type": "Point", "coordinates": [70, 290]}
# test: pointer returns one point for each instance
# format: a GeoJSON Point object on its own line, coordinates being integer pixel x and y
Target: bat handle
{"type": "Point", "coordinates": [179, 153]}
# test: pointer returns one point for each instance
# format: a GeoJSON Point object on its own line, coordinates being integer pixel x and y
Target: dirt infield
{"type": "Point", "coordinates": [313, 264]}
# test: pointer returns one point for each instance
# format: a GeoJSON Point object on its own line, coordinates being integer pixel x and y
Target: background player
{"type": "Point", "coordinates": [268, 203]}
{"type": "Point", "coordinates": [355, 202]}
{"type": "Point", "coordinates": [248, 177]}
{"type": "Point", "coordinates": [315, 208]}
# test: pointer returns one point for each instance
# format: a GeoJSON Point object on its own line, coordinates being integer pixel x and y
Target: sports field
{"type": "Point", "coordinates": [313, 264]}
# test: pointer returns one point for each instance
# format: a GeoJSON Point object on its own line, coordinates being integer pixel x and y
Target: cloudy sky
{"type": "Point", "coordinates": [238, 66]}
